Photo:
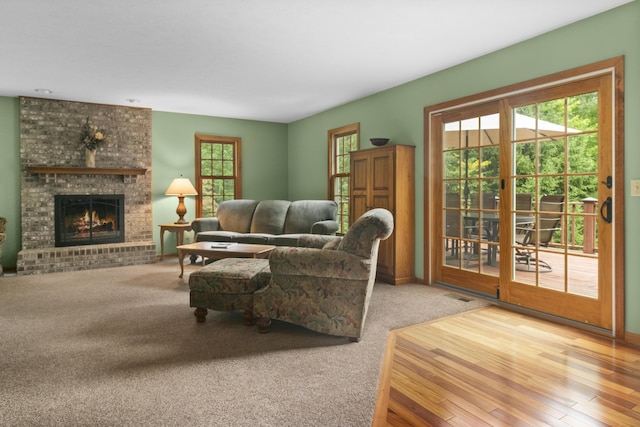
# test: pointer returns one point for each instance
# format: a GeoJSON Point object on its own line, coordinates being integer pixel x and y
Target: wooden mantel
{"type": "Point", "coordinates": [51, 172]}
{"type": "Point", "coordinates": [68, 170]}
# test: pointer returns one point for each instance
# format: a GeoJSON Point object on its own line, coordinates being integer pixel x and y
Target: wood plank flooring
{"type": "Point", "coordinates": [494, 367]}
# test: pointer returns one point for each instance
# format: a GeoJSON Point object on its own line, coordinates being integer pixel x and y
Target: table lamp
{"type": "Point", "coordinates": [181, 187]}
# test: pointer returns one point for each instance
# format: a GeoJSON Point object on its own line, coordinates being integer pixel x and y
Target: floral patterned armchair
{"type": "Point", "coordinates": [325, 289]}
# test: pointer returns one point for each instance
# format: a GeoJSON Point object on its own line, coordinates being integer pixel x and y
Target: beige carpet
{"type": "Point", "coordinates": [121, 346]}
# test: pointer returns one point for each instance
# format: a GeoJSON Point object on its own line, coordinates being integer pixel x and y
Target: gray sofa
{"type": "Point", "coordinates": [268, 222]}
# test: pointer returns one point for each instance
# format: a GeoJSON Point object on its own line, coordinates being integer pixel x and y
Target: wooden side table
{"type": "Point", "coordinates": [179, 229]}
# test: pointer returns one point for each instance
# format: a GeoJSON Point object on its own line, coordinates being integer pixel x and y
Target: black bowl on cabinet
{"type": "Point", "coordinates": [379, 141]}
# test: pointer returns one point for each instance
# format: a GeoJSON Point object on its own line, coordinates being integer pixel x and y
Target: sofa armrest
{"type": "Point", "coordinates": [328, 227]}
{"type": "Point", "coordinates": [205, 224]}
{"type": "Point", "coordinates": [327, 263]}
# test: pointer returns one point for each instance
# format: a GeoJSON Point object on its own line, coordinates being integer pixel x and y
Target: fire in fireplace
{"type": "Point", "coordinates": [89, 219]}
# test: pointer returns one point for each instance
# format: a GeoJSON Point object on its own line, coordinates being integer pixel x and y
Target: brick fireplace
{"type": "Point", "coordinates": [53, 165]}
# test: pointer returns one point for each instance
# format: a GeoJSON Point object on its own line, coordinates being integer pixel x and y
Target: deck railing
{"type": "Point", "coordinates": [583, 215]}
{"type": "Point", "coordinates": [581, 220]}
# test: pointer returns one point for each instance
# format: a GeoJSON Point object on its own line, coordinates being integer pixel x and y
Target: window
{"type": "Point", "coordinates": [217, 172]}
{"type": "Point", "coordinates": [341, 142]}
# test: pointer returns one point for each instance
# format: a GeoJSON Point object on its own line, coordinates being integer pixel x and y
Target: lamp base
{"type": "Point", "coordinates": [181, 210]}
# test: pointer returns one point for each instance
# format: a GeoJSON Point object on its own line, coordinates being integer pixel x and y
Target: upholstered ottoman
{"type": "Point", "coordinates": [227, 285]}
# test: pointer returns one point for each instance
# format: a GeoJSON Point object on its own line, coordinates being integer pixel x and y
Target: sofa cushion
{"type": "Point", "coordinates": [284, 240]}
{"type": "Point", "coordinates": [236, 215]}
{"type": "Point", "coordinates": [303, 214]}
{"type": "Point", "coordinates": [269, 216]}
{"type": "Point", "coordinates": [252, 238]}
{"type": "Point", "coordinates": [218, 236]}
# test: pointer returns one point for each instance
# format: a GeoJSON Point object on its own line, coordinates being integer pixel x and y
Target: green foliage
{"type": "Point", "coordinates": [576, 154]}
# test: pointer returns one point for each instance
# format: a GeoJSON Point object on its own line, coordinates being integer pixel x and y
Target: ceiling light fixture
{"type": "Point", "coordinates": [132, 100]}
{"type": "Point", "coordinates": [43, 91]}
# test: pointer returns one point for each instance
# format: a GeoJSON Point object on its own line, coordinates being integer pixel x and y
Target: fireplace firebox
{"type": "Point", "coordinates": [89, 219]}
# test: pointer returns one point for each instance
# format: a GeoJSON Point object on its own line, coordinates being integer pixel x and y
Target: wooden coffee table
{"type": "Point", "coordinates": [205, 250]}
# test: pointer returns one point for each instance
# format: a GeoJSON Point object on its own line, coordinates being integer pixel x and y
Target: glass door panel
{"type": "Point", "coordinates": [469, 197]}
{"type": "Point", "coordinates": [556, 157]}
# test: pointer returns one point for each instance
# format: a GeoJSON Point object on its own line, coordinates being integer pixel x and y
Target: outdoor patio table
{"type": "Point", "coordinates": [491, 222]}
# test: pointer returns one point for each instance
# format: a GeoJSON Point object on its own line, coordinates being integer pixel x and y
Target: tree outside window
{"type": "Point", "coordinates": [342, 141]}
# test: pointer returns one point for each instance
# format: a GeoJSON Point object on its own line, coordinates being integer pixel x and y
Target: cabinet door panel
{"type": "Point", "coordinates": [382, 201]}
{"type": "Point", "coordinates": [386, 257]}
{"type": "Point", "coordinates": [381, 196]}
{"type": "Point", "coordinates": [358, 206]}
{"type": "Point", "coordinates": [382, 169]}
{"type": "Point", "coordinates": [359, 175]}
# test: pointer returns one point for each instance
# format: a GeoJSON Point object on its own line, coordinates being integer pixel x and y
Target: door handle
{"type": "Point", "coordinates": [607, 204]}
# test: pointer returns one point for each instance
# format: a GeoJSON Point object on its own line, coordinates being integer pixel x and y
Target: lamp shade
{"type": "Point", "coordinates": [181, 187]}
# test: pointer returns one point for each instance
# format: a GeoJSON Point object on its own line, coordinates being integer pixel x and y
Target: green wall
{"type": "Point", "coordinates": [264, 161]}
{"type": "Point", "coordinates": [10, 179]}
{"type": "Point", "coordinates": [398, 114]}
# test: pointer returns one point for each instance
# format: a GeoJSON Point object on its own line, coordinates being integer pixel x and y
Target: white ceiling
{"type": "Point", "coordinates": [273, 60]}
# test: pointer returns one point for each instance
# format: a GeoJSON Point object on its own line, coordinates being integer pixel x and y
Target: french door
{"type": "Point", "coordinates": [524, 199]}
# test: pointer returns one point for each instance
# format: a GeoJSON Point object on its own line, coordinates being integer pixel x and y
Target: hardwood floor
{"type": "Point", "coordinates": [494, 367]}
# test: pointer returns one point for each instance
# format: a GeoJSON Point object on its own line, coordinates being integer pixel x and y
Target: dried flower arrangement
{"type": "Point", "coordinates": [91, 136]}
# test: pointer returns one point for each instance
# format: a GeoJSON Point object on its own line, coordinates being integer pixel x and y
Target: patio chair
{"type": "Point", "coordinates": [474, 227]}
{"type": "Point", "coordinates": [488, 201]}
{"type": "Point", "coordinates": [524, 201]}
{"type": "Point", "coordinates": [540, 235]}
{"type": "Point", "coordinates": [524, 205]}
{"type": "Point", "coordinates": [452, 224]}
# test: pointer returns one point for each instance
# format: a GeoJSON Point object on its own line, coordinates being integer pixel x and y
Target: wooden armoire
{"type": "Point", "coordinates": [384, 177]}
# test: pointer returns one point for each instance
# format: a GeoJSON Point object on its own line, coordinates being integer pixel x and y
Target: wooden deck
{"type": "Point", "coordinates": [582, 277]}
{"type": "Point", "coordinates": [494, 367]}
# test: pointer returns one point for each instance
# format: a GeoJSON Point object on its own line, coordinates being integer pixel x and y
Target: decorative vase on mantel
{"type": "Point", "coordinates": [90, 157]}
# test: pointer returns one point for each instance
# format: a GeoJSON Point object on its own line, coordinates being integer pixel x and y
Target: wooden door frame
{"type": "Point", "coordinates": [614, 66]}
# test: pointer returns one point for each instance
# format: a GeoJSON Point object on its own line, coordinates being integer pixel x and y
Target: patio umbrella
{"type": "Point", "coordinates": [488, 127]}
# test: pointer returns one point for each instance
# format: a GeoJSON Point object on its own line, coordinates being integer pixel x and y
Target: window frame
{"type": "Point", "coordinates": [332, 139]}
{"type": "Point", "coordinates": [236, 142]}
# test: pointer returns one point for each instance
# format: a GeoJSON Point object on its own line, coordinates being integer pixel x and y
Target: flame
{"type": "Point", "coordinates": [92, 220]}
